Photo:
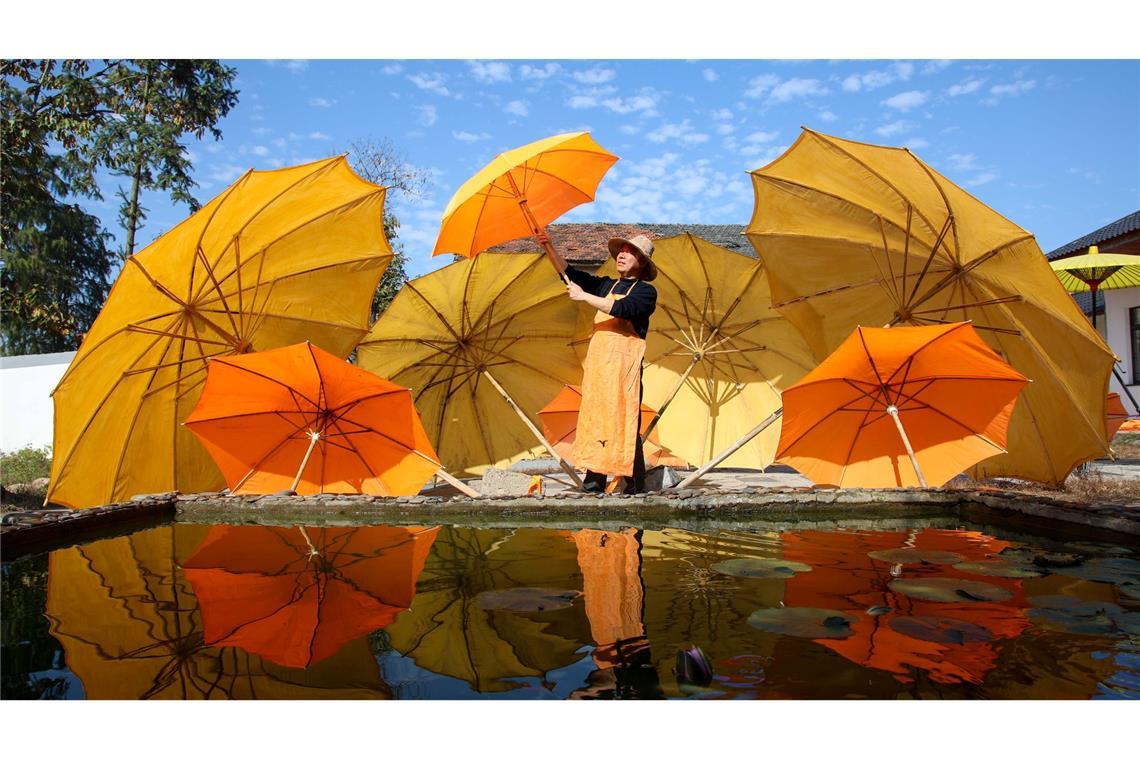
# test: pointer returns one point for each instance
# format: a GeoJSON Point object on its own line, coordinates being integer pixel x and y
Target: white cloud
{"type": "Point", "coordinates": [916, 143]}
{"type": "Point", "coordinates": [981, 179]}
{"type": "Point", "coordinates": [721, 114]}
{"type": "Point", "coordinates": [666, 189]}
{"type": "Point", "coordinates": [226, 173]}
{"type": "Point", "coordinates": [683, 132]}
{"type": "Point", "coordinates": [470, 136]}
{"type": "Point", "coordinates": [1013, 88]}
{"type": "Point", "coordinates": [261, 131]}
{"type": "Point", "coordinates": [526, 71]}
{"type": "Point", "coordinates": [595, 75]}
{"type": "Point", "coordinates": [759, 86]}
{"type": "Point", "coordinates": [964, 88]}
{"type": "Point", "coordinates": [905, 101]}
{"type": "Point", "coordinates": [874, 79]}
{"type": "Point", "coordinates": [430, 82]}
{"type": "Point", "coordinates": [391, 69]}
{"type": "Point", "coordinates": [295, 66]}
{"type": "Point", "coordinates": [489, 72]}
{"type": "Point", "coordinates": [517, 107]}
{"type": "Point", "coordinates": [629, 129]}
{"type": "Point", "coordinates": [761, 137]}
{"type": "Point", "coordinates": [321, 102]}
{"type": "Point", "coordinates": [604, 97]}
{"type": "Point", "coordinates": [827, 116]}
{"type": "Point", "coordinates": [796, 88]}
{"type": "Point", "coordinates": [259, 150]}
{"type": "Point", "coordinates": [725, 129]}
{"type": "Point", "coordinates": [963, 162]}
{"type": "Point", "coordinates": [894, 128]}
{"type": "Point", "coordinates": [933, 67]}
{"type": "Point", "coordinates": [710, 75]}
{"type": "Point", "coordinates": [318, 136]}
{"type": "Point", "coordinates": [428, 115]}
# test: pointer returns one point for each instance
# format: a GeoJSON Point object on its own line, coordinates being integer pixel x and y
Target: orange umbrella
{"type": "Point", "coordinates": [844, 422]}
{"type": "Point", "coordinates": [1115, 415]}
{"type": "Point", "coordinates": [296, 600]}
{"type": "Point", "coordinates": [844, 577]}
{"type": "Point", "coordinates": [521, 191]}
{"type": "Point", "coordinates": [560, 422]}
{"type": "Point", "coordinates": [300, 418]}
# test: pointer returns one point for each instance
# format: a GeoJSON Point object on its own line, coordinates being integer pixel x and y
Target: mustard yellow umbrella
{"type": "Point", "coordinates": [521, 191]}
{"type": "Point", "coordinates": [471, 341]}
{"type": "Point", "coordinates": [280, 257]}
{"type": "Point", "coordinates": [855, 234]}
{"type": "Point", "coordinates": [717, 355]}
{"type": "Point", "coordinates": [131, 628]}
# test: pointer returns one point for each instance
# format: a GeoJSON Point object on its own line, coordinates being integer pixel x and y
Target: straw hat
{"type": "Point", "coordinates": [644, 248]}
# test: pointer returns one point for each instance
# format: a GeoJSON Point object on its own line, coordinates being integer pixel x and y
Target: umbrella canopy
{"type": "Point", "coordinates": [131, 628]}
{"type": "Point", "coordinates": [449, 631]}
{"type": "Point", "coordinates": [521, 191]}
{"type": "Point", "coordinates": [1097, 271]}
{"type": "Point", "coordinates": [717, 355]}
{"type": "Point", "coordinates": [1115, 415]}
{"type": "Point", "coordinates": [560, 423]}
{"type": "Point", "coordinates": [296, 596]}
{"type": "Point", "coordinates": [854, 234]}
{"type": "Point", "coordinates": [300, 418]}
{"type": "Point", "coordinates": [936, 395]}
{"type": "Point", "coordinates": [279, 257]}
{"type": "Point", "coordinates": [452, 335]}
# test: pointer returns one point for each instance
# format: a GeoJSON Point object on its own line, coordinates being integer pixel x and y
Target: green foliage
{"type": "Point", "coordinates": [62, 122]}
{"type": "Point", "coordinates": [25, 465]}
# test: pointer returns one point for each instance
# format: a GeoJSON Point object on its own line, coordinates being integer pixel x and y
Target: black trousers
{"type": "Point", "coordinates": [599, 478]}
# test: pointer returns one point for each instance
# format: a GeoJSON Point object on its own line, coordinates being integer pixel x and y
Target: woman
{"type": "Point", "coordinates": [607, 441]}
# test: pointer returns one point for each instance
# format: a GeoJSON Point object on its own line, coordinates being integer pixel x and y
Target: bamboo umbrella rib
{"type": "Point", "coordinates": [175, 336]}
{"type": "Point", "coordinates": [244, 180]}
{"type": "Point", "coordinates": [933, 252]}
{"type": "Point", "coordinates": [961, 272]}
{"type": "Point", "coordinates": [945, 202]}
{"type": "Point", "coordinates": [854, 440]}
{"type": "Point", "coordinates": [275, 381]}
{"type": "Point", "coordinates": [199, 253]}
{"type": "Point", "coordinates": [134, 260]}
{"type": "Point", "coordinates": [887, 256]}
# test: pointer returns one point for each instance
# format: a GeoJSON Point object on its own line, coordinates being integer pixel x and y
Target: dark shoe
{"type": "Point", "coordinates": [633, 486]}
{"type": "Point", "coordinates": [593, 485]}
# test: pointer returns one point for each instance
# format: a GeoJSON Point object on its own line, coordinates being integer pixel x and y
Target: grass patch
{"type": "Point", "coordinates": [1126, 446]}
{"type": "Point", "coordinates": [25, 465]}
{"type": "Point", "coordinates": [1096, 488]}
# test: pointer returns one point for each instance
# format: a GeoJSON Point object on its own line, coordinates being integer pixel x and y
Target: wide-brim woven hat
{"type": "Point", "coordinates": [644, 247]}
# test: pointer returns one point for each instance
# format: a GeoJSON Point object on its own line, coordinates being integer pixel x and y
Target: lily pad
{"type": "Point", "coordinates": [878, 609]}
{"type": "Point", "coordinates": [908, 556]}
{"type": "Point", "coordinates": [805, 622]}
{"type": "Point", "coordinates": [1105, 570]}
{"type": "Point", "coordinates": [1000, 568]}
{"type": "Point", "coordinates": [755, 567]}
{"type": "Point", "coordinates": [940, 630]}
{"type": "Point", "coordinates": [1089, 618]}
{"type": "Point", "coordinates": [526, 599]}
{"type": "Point", "coordinates": [951, 590]}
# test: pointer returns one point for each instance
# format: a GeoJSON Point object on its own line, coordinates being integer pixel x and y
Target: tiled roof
{"type": "Point", "coordinates": [1121, 226]}
{"type": "Point", "coordinates": [586, 243]}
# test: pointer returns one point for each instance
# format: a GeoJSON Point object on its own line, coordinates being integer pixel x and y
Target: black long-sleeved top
{"type": "Point", "coordinates": [637, 306]}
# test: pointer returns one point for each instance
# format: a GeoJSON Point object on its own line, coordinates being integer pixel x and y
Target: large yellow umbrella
{"type": "Point", "coordinates": [521, 191]}
{"type": "Point", "coordinates": [854, 234]}
{"type": "Point", "coordinates": [471, 339]}
{"type": "Point", "coordinates": [278, 258]}
{"type": "Point", "coordinates": [717, 355]}
{"type": "Point", "coordinates": [130, 628]}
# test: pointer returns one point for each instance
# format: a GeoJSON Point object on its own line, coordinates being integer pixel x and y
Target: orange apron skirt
{"type": "Point", "coordinates": [606, 436]}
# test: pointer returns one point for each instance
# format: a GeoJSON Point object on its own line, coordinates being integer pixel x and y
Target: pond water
{"type": "Point", "coordinates": [446, 612]}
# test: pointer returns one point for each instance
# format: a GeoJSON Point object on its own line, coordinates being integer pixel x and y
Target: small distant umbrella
{"type": "Point", "coordinates": [300, 418]}
{"type": "Point", "coordinates": [521, 191]}
{"type": "Point", "coordinates": [936, 395]}
{"type": "Point", "coordinates": [1115, 416]}
{"type": "Point", "coordinates": [295, 598]}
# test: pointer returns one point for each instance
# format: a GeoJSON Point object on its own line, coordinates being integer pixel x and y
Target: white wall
{"type": "Point", "coordinates": [26, 383]}
{"type": "Point", "coordinates": [1115, 304]}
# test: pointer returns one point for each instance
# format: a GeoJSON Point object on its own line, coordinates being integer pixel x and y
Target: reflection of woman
{"type": "Point", "coordinates": [607, 441]}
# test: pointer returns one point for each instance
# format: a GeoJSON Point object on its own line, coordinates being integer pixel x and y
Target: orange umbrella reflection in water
{"type": "Point", "coordinates": [845, 578]}
{"type": "Point", "coordinates": [131, 629]}
{"type": "Point", "coordinates": [296, 596]}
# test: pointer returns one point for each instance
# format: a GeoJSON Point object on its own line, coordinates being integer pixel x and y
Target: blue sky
{"type": "Point", "coordinates": [1053, 145]}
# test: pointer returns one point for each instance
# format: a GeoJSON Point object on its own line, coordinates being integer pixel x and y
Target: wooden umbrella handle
{"type": "Point", "coordinates": [538, 231]}
{"type": "Point", "coordinates": [894, 412]}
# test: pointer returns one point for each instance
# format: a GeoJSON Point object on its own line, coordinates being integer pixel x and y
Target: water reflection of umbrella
{"type": "Point", "coordinates": [131, 629]}
{"type": "Point", "coordinates": [449, 632]}
{"type": "Point", "coordinates": [560, 424]}
{"type": "Point", "coordinates": [279, 257]}
{"type": "Point", "coordinates": [471, 341]}
{"type": "Point", "coordinates": [936, 394]}
{"type": "Point", "coordinates": [845, 578]}
{"type": "Point", "coordinates": [296, 596]}
{"type": "Point", "coordinates": [855, 234]}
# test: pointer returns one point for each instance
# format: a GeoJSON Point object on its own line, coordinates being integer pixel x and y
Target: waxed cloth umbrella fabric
{"type": "Point", "coordinates": [953, 394]}
{"type": "Point", "coordinates": [1105, 271]}
{"type": "Point", "coordinates": [278, 258]}
{"type": "Point", "coordinates": [554, 175]}
{"type": "Point", "coordinates": [715, 322]}
{"type": "Point", "coordinates": [854, 234]}
{"type": "Point", "coordinates": [296, 595]}
{"type": "Point", "coordinates": [560, 425]}
{"type": "Point", "coordinates": [257, 412]}
{"type": "Point", "coordinates": [131, 628]}
{"type": "Point", "coordinates": [1115, 415]}
{"type": "Point", "coordinates": [504, 314]}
